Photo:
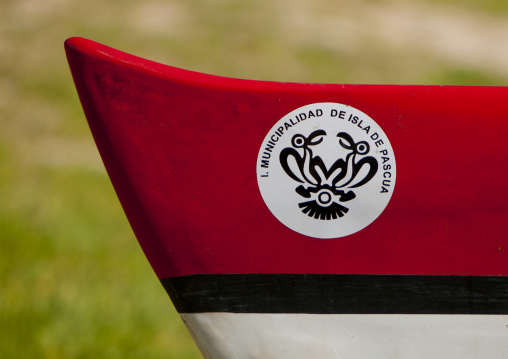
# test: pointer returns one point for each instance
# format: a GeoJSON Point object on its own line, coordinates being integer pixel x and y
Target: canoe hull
{"type": "Point", "coordinates": [424, 277]}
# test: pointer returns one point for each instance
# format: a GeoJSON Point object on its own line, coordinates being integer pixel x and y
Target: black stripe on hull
{"type": "Point", "coordinates": [338, 294]}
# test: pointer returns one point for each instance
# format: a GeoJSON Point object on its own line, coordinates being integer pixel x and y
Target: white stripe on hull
{"type": "Point", "coordinates": [309, 336]}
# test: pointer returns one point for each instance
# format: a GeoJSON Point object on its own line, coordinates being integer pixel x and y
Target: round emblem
{"type": "Point", "coordinates": [326, 170]}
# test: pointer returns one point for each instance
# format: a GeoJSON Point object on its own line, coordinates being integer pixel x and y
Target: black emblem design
{"type": "Point", "coordinates": [325, 187]}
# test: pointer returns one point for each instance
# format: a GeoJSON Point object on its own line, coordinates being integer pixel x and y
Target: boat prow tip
{"type": "Point", "coordinates": [79, 50]}
{"type": "Point", "coordinates": [73, 41]}
{"type": "Point", "coordinates": [81, 44]}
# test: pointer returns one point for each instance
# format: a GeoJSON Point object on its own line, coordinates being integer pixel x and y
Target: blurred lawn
{"type": "Point", "coordinates": [74, 282]}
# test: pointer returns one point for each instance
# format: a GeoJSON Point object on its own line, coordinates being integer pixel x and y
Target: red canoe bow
{"type": "Point", "coordinates": [365, 204]}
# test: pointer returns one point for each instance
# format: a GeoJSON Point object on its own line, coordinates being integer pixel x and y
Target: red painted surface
{"type": "Point", "coordinates": [180, 148]}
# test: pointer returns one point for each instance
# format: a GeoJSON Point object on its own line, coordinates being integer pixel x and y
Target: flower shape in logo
{"type": "Point", "coordinates": [327, 188]}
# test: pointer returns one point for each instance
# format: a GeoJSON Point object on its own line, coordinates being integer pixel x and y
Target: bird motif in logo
{"type": "Point", "coordinates": [326, 189]}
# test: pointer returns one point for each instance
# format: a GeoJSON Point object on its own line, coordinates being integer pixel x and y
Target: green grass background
{"type": "Point", "coordinates": [73, 280]}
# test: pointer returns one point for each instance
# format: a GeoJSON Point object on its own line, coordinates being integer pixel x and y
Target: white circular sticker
{"type": "Point", "coordinates": [326, 170]}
